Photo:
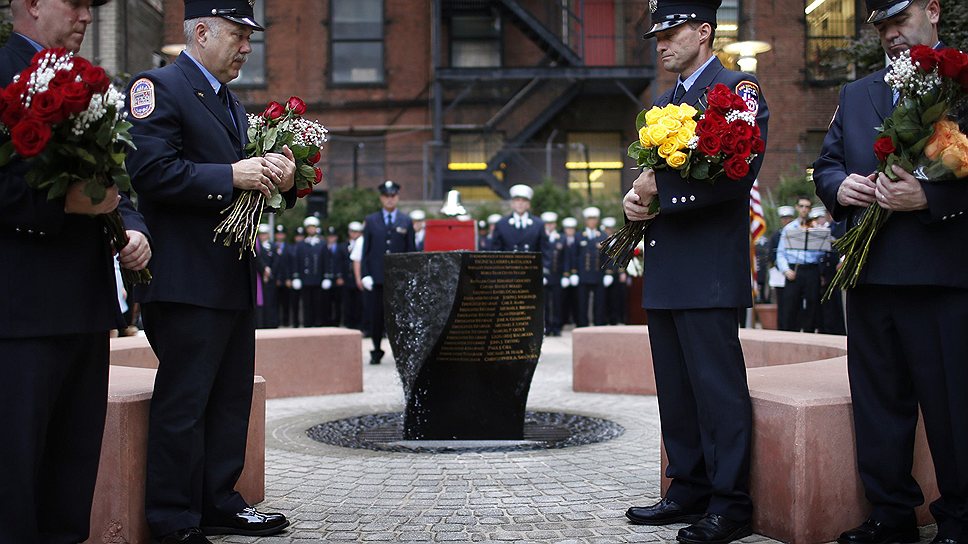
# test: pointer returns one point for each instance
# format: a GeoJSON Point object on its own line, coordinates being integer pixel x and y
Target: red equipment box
{"type": "Point", "coordinates": [450, 235]}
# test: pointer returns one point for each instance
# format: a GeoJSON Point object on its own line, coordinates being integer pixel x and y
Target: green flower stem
{"type": "Point", "coordinates": [114, 227]}
{"type": "Point", "coordinates": [241, 225]}
{"type": "Point", "coordinates": [855, 248]}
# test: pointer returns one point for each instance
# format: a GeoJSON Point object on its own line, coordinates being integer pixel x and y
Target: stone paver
{"type": "Point", "coordinates": [572, 495]}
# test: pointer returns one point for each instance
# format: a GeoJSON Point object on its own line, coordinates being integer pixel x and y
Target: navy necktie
{"type": "Point", "coordinates": [680, 92]}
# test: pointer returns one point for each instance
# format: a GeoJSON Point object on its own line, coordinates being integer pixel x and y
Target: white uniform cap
{"type": "Point", "coordinates": [786, 211]}
{"type": "Point", "coordinates": [608, 222]}
{"type": "Point", "coordinates": [264, 229]}
{"type": "Point", "coordinates": [418, 215]}
{"type": "Point", "coordinates": [817, 212]}
{"type": "Point", "coordinates": [355, 226]}
{"type": "Point", "coordinates": [549, 217]}
{"type": "Point", "coordinates": [493, 218]}
{"type": "Point", "coordinates": [521, 191]}
{"type": "Point", "coordinates": [569, 223]}
{"type": "Point", "coordinates": [591, 211]}
{"type": "Point", "coordinates": [311, 222]}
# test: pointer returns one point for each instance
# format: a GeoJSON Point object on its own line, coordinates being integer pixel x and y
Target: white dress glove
{"type": "Point", "coordinates": [327, 283]}
{"type": "Point", "coordinates": [565, 283]}
{"type": "Point", "coordinates": [367, 282]}
{"type": "Point", "coordinates": [544, 281]}
{"type": "Point", "coordinates": [607, 281]}
{"type": "Point", "coordinates": [296, 284]}
{"type": "Point", "coordinates": [574, 280]}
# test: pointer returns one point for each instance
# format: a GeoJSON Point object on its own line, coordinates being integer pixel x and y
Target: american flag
{"type": "Point", "coordinates": [757, 221]}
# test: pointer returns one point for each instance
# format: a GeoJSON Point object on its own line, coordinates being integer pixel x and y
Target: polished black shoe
{"type": "Point", "coordinates": [248, 522]}
{"type": "Point", "coordinates": [941, 540]}
{"type": "Point", "coordinates": [192, 535]}
{"type": "Point", "coordinates": [375, 356]}
{"type": "Point", "coordinates": [714, 529]}
{"type": "Point", "coordinates": [663, 512]}
{"type": "Point", "coordinates": [875, 532]}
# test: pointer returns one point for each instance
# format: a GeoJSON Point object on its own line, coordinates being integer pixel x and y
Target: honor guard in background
{"type": "Point", "coordinates": [519, 230]}
{"type": "Point", "coordinates": [281, 272]}
{"type": "Point", "coordinates": [267, 305]}
{"type": "Point", "coordinates": [419, 219]}
{"type": "Point", "coordinates": [292, 267]}
{"type": "Point", "coordinates": [697, 274]}
{"type": "Point", "coordinates": [352, 293]}
{"type": "Point", "coordinates": [487, 243]}
{"type": "Point", "coordinates": [199, 311]}
{"type": "Point", "coordinates": [801, 269]}
{"type": "Point", "coordinates": [555, 249]}
{"type": "Point", "coordinates": [615, 291]}
{"type": "Point", "coordinates": [386, 231]}
{"type": "Point", "coordinates": [591, 277]}
{"type": "Point", "coordinates": [310, 267]}
{"type": "Point", "coordinates": [907, 317]}
{"type": "Point", "coordinates": [569, 264]}
{"type": "Point", "coordinates": [57, 283]}
{"type": "Point", "coordinates": [333, 275]}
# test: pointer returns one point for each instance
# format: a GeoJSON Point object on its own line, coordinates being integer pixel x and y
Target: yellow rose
{"type": "Point", "coordinates": [657, 134]}
{"type": "Point", "coordinates": [683, 136]}
{"type": "Point", "coordinates": [687, 112]}
{"type": "Point", "coordinates": [667, 148]}
{"type": "Point", "coordinates": [689, 125]}
{"type": "Point", "coordinates": [670, 123]}
{"type": "Point", "coordinates": [652, 116]}
{"type": "Point", "coordinates": [677, 160]}
{"type": "Point", "coordinates": [671, 110]}
{"type": "Point", "coordinates": [644, 137]}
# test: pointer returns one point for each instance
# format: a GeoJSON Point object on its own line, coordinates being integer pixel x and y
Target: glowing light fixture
{"type": "Point", "coordinates": [172, 49]}
{"type": "Point", "coordinates": [746, 52]}
{"type": "Point", "coordinates": [467, 166]}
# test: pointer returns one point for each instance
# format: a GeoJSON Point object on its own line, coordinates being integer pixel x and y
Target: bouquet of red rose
{"type": "Point", "coordinates": [922, 136]}
{"type": "Point", "coordinates": [276, 127]}
{"type": "Point", "coordinates": [65, 118]}
{"type": "Point", "coordinates": [721, 141]}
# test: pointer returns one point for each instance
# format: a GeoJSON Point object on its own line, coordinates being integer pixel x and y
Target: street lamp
{"type": "Point", "coordinates": [746, 52]}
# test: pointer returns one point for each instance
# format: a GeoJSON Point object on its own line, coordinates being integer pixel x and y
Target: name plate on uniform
{"type": "Point", "coordinates": [466, 330]}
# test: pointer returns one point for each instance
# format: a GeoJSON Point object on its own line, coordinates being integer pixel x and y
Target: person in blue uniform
{"type": "Point", "coordinates": [386, 231]}
{"type": "Point", "coordinates": [267, 307]}
{"type": "Point", "coordinates": [333, 274]}
{"type": "Point", "coordinates": [308, 274]}
{"type": "Point", "coordinates": [616, 286]}
{"type": "Point", "coordinates": [591, 277]}
{"type": "Point", "coordinates": [554, 247]}
{"type": "Point", "coordinates": [198, 312]}
{"type": "Point", "coordinates": [569, 274]}
{"type": "Point", "coordinates": [60, 301]}
{"type": "Point", "coordinates": [907, 316]}
{"type": "Point", "coordinates": [487, 241]}
{"type": "Point", "coordinates": [292, 281]}
{"type": "Point", "coordinates": [352, 293]}
{"type": "Point", "coordinates": [801, 271]}
{"type": "Point", "coordinates": [419, 218]}
{"type": "Point", "coordinates": [519, 230]}
{"type": "Point", "coordinates": [281, 273]}
{"type": "Point", "coordinates": [697, 275]}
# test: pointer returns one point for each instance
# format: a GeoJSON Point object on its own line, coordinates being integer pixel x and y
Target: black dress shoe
{"type": "Point", "coordinates": [662, 513]}
{"type": "Point", "coordinates": [939, 540]}
{"type": "Point", "coordinates": [248, 522]}
{"type": "Point", "coordinates": [375, 356]}
{"type": "Point", "coordinates": [875, 532]}
{"type": "Point", "coordinates": [192, 535]}
{"type": "Point", "coordinates": [714, 529]}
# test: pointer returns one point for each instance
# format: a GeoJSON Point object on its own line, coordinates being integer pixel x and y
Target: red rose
{"type": "Point", "coordinates": [76, 97]}
{"type": "Point", "coordinates": [296, 105]}
{"type": "Point", "coordinates": [319, 175]}
{"type": "Point", "coordinates": [883, 147]}
{"type": "Point", "coordinates": [736, 168]}
{"type": "Point", "coordinates": [13, 113]}
{"type": "Point", "coordinates": [951, 63]}
{"type": "Point", "coordinates": [963, 80]}
{"type": "Point", "coordinates": [274, 110]}
{"type": "Point", "coordinates": [15, 92]}
{"type": "Point", "coordinates": [743, 148]}
{"type": "Point", "coordinates": [96, 78]}
{"type": "Point", "coordinates": [56, 51]}
{"type": "Point", "coordinates": [758, 145]}
{"type": "Point", "coordinates": [711, 123]}
{"type": "Point", "coordinates": [739, 104]}
{"type": "Point", "coordinates": [60, 79]}
{"type": "Point", "coordinates": [303, 192]}
{"type": "Point", "coordinates": [741, 129]}
{"type": "Point", "coordinates": [48, 107]}
{"type": "Point", "coordinates": [30, 136]}
{"type": "Point", "coordinates": [924, 56]}
{"type": "Point", "coordinates": [720, 98]}
{"type": "Point", "coordinates": [729, 141]}
{"type": "Point", "coordinates": [81, 65]}
{"type": "Point", "coordinates": [709, 144]}
{"type": "Point", "coordinates": [315, 158]}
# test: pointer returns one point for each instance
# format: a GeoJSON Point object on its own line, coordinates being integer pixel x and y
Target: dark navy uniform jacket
{"type": "Point", "coordinates": [589, 257]}
{"type": "Point", "coordinates": [182, 172]}
{"type": "Point", "coordinates": [311, 261]}
{"type": "Point", "coordinates": [507, 237]}
{"type": "Point", "coordinates": [555, 257]}
{"type": "Point", "coordinates": [925, 247]}
{"type": "Point", "coordinates": [697, 251]}
{"type": "Point", "coordinates": [378, 240]}
{"type": "Point", "coordinates": [58, 272]}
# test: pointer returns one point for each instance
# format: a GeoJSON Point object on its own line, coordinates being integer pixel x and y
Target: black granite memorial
{"type": "Point", "coordinates": [466, 331]}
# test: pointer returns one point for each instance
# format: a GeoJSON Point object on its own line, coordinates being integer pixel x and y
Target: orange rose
{"type": "Point", "coordinates": [950, 146]}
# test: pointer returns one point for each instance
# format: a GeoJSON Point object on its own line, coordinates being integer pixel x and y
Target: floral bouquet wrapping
{"type": "Point", "coordinates": [721, 141]}
{"type": "Point", "coordinates": [274, 128]}
{"type": "Point", "coordinates": [922, 136]}
{"type": "Point", "coordinates": [66, 120]}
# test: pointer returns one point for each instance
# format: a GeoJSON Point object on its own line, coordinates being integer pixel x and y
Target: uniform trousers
{"type": "Point", "coordinates": [375, 308]}
{"type": "Point", "coordinates": [552, 306]}
{"type": "Point", "coordinates": [704, 407]}
{"type": "Point", "coordinates": [352, 305]}
{"type": "Point", "coordinates": [801, 299]}
{"type": "Point", "coordinates": [597, 292]}
{"type": "Point", "coordinates": [283, 294]}
{"type": "Point", "coordinates": [907, 347]}
{"type": "Point", "coordinates": [53, 397]}
{"type": "Point", "coordinates": [199, 416]}
{"type": "Point", "coordinates": [312, 305]}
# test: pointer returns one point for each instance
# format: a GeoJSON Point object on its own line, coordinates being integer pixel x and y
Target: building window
{"type": "Point", "coordinates": [356, 161]}
{"type": "Point", "coordinates": [595, 163]}
{"type": "Point", "coordinates": [727, 23]}
{"type": "Point", "coordinates": [473, 151]}
{"type": "Point", "coordinates": [475, 41]}
{"type": "Point", "coordinates": [831, 26]}
{"type": "Point", "coordinates": [254, 70]}
{"type": "Point", "coordinates": [357, 42]}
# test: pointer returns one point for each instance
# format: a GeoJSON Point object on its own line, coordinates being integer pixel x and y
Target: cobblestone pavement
{"type": "Point", "coordinates": [570, 495]}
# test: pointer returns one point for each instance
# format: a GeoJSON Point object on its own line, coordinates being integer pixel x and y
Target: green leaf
{"type": "Point", "coordinates": [934, 113]}
{"type": "Point", "coordinates": [640, 120]}
{"type": "Point", "coordinates": [307, 172]}
{"type": "Point", "coordinates": [6, 152]}
{"type": "Point", "coordinates": [270, 141]}
{"type": "Point", "coordinates": [700, 170]}
{"type": "Point", "coordinates": [58, 187]}
{"type": "Point", "coordinates": [95, 191]}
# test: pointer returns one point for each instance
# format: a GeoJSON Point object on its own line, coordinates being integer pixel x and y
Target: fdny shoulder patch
{"type": "Point", "coordinates": [750, 93]}
{"type": "Point", "coordinates": [141, 98]}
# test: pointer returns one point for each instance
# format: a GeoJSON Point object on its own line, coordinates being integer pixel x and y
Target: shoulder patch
{"type": "Point", "coordinates": [750, 93]}
{"type": "Point", "coordinates": [141, 99]}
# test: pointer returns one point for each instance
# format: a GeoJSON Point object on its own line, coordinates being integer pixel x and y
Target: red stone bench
{"type": "Point", "coordinates": [118, 514]}
{"type": "Point", "coordinates": [804, 479]}
{"type": "Point", "coordinates": [294, 362]}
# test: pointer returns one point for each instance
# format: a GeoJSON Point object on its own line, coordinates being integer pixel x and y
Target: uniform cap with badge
{"type": "Point", "coordinates": [281, 229]}
{"type": "Point", "coordinates": [668, 14]}
{"type": "Point", "coordinates": [355, 226]}
{"type": "Point", "coordinates": [609, 222]}
{"type": "Point", "coordinates": [786, 211]}
{"type": "Point", "coordinates": [817, 212]}
{"type": "Point", "coordinates": [418, 215]}
{"type": "Point", "coordinates": [549, 217]}
{"type": "Point", "coordinates": [311, 221]}
{"type": "Point", "coordinates": [389, 188]}
{"type": "Point", "coordinates": [237, 11]}
{"type": "Point", "coordinates": [885, 9]}
{"type": "Point", "coordinates": [521, 191]}
{"type": "Point", "coordinates": [493, 218]}
{"type": "Point", "coordinates": [591, 212]}
{"type": "Point", "coordinates": [569, 223]}
{"type": "Point", "coordinates": [264, 229]}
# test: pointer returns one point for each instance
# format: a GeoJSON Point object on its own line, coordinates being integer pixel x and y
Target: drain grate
{"type": "Point", "coordinates": [542, 430]}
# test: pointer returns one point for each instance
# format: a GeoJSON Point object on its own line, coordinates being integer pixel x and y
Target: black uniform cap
{"type": "Point", "coordinates": [237, 11]}
{"type": "Point", "coordinates": [668, 14]}
{"type": "Point", "coordinates": [389, 188]}
{"type": "Point", "coordinates": [885, 9]}
{"type": "Point", "coordinates": [281, 228]}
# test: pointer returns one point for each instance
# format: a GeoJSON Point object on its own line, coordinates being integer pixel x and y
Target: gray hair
{"type": "Point", "coordinates": [215, 25]}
